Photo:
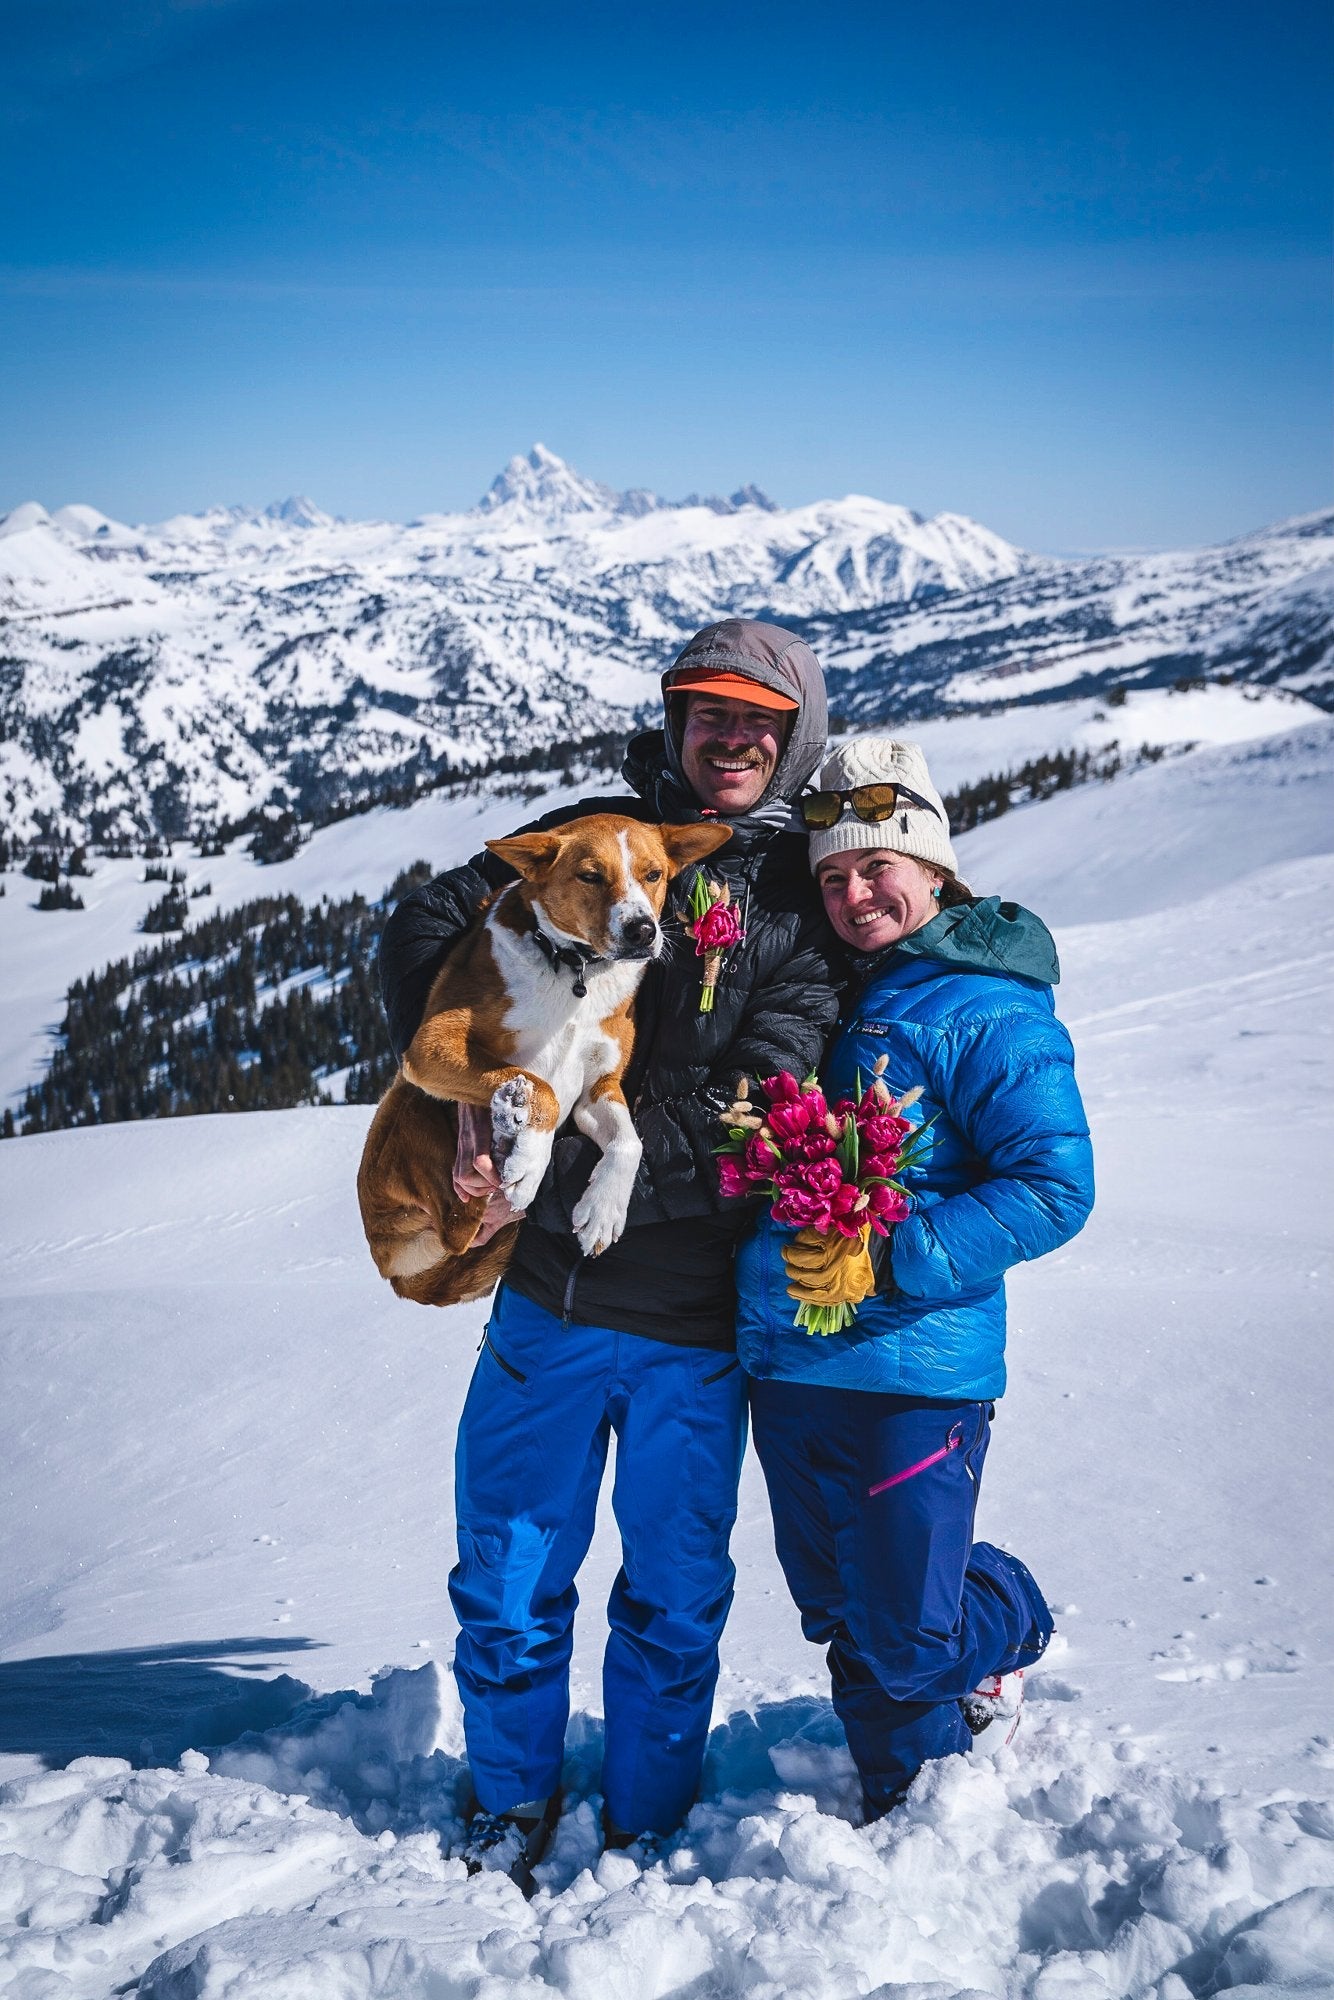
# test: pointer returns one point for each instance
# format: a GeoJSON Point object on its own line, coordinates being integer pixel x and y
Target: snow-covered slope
{"type": "Point", "coordinates": [1160, 837]}
{"type": "Point", "coordinates": [227, 1447]}
{"type": "Point", "coordinates": [1260, 609]}
{"type": "Point", "coordinates": [157, 676]}
{"type": "Point", "coordinates": [43, 951]}
{"type": "Point", "coordinates": [153, 679]}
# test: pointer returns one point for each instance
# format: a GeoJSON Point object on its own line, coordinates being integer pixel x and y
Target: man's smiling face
{"type": "Point", "coordinates": [730, 750]}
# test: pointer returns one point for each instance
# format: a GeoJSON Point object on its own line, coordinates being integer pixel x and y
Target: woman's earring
{"type": "Point", "coordinates": [936, 892]}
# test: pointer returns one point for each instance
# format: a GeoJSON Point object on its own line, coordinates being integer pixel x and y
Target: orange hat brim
{"type": "Point", "coordinates": [735, 687]}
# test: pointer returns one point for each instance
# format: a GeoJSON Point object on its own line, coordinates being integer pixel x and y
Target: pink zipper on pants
{"type": "Point", "coordinates": [952, 1443]}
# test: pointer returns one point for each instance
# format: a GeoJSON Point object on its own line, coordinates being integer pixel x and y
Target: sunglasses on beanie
{"type": "Point", "coordinates": [872, 803]}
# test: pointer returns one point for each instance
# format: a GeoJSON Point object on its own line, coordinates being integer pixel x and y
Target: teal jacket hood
{"type": "Point", "coordinates": [987, 936]}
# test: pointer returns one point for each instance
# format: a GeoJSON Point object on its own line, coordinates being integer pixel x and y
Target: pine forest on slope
{"type": "Point", "coordinates": [275, 1003]}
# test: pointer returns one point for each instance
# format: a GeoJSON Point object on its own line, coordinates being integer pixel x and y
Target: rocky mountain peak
{"type": "Point", "coordinates": [28, 514]}
{"type": "Point", "coordinates": [298, 512]}
{"type": "Point", "coordinates": [537, 482]}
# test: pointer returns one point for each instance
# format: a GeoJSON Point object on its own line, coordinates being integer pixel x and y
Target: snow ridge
{"type": "Point", "coordinates": [159, 679]}
{"type": "Point", "coordinates": [543, 488]}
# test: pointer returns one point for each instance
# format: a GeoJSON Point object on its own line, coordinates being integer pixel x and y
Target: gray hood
{"type": "Point", "coordinates": [777, 659]}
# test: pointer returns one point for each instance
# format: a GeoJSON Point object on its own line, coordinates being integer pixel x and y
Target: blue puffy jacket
{"type": "Point", "coordinates": [964, 1009]}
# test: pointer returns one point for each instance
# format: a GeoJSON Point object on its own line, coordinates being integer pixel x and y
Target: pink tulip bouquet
{"type": "Point", "coordinates": [824, 1166]}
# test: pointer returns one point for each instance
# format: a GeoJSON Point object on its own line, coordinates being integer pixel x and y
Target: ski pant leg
{"type": "Point", "coordinates": [532, 1448]}
{"type": "Point", "coordinates": [873, 1499]}
{"type": "Point", "coordinates": [680, 1420]}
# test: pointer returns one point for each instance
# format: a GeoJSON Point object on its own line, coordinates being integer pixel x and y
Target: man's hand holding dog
{"type": "Point", "coordinates": [476, 1173]}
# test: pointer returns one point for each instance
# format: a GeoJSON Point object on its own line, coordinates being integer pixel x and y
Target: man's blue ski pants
{"type": "Point", "coordinates": [544, 1400]}
{"type": "Point", "coordinates": [873, 1500]}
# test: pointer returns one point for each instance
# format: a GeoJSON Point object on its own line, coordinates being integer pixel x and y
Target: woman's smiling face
{"type": "Point", "coordinates": [874, 897]}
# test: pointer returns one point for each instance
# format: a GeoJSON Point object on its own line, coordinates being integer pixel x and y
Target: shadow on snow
{"type": "Point", "coordinates": [147, 1703]}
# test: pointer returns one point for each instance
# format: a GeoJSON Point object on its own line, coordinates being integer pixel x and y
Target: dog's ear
{"type": "Point", "coordinates": [527, 853]}
{"type": "Point", "coordinates": [691, 843]}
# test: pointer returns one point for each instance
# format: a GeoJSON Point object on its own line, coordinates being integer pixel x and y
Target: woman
{"type": "Point", "coordinates": [872, 1440]}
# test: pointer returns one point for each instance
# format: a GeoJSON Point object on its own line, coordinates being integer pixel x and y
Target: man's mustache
{"type": "Point", "coordinates": [751, 756]}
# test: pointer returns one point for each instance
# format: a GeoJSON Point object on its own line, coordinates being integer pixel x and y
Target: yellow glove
{"type": "Point", "coordinates": [830, 1270]}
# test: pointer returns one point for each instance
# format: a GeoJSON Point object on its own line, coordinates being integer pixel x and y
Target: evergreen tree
{"type": "Point", "coordinates": [248, 1009]}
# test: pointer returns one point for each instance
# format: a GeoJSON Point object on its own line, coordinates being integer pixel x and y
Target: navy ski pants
{"type": "Point", "coordinates": [544, 1400]}
{"type": "Point", "coordinates": [873, 1498]}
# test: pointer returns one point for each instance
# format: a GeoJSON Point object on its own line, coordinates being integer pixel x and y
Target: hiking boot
{"type": "Point", "coordinates": [645, 1848]}
{"type": "Point", "coordinates": [510, 1843]}
{"type": "Point", "coordinates": [998, 1699]}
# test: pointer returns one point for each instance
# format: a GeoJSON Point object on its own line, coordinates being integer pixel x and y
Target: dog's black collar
{"type": "Point", "coordinates": [575, 956]}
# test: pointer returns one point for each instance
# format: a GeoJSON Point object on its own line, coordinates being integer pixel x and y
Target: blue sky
{"type": "Point", "coordinates": [1062, 268]}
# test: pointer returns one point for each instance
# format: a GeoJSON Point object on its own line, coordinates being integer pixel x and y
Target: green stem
{"type": "Point", "coordinates": [825, 1320]}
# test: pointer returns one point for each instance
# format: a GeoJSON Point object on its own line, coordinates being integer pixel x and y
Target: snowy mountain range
{"type": "Point", "coordinates": [157, 680]}
{"type": "Point", "coordinates": [1257, 610]}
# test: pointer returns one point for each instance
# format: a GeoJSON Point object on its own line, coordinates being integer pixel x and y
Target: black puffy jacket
{"type": "Point", "coordinates": [670, 1276]}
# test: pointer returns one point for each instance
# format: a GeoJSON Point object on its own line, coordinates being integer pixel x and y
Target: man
{"type": "Point", "coordinates": [641, 1339]}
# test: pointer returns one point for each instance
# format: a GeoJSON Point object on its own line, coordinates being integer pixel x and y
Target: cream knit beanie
{"type": "Point", "coordinates": [883, 760]}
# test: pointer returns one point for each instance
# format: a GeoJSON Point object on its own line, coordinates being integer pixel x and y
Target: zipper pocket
{"type": "Point", "coordinates": [567, 1303]}
{"type": "Point", "coordinates": [729, 1368]}
{"type": "Point", "coordinates": [988, 1412]}
{"type": "Point", "coordinates": [952, 1443]}
{"type": "Point", "coordinates": [497, 1356]}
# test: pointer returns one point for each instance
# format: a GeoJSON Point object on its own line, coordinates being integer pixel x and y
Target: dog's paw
{"type": "Point", "coordinates": [511, 1110]}
{"type": "Point", "coordinates": [599, 1215]}
{"type": "Point", "coordinates": [524, 1167]}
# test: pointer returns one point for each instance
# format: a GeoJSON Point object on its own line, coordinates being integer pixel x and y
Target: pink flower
{"type": "Point", "coordinates": [782, 1087]}
{"type": "Point", "coordinates": [887, 1204]}
{"type": "Point", "coordinates": [732, 1176]}
{"type": "Point", "coordinates": [801, 1209]}
{"type": "Point", "coordinates": [818, 1147]}
{"type": "Point", "coordinates": [879, 1166]}
{"type": "Point", "coordinates": [881, 1133]}
{"type": "Point", "coordinates": [761, 1159]}
{"type": "Point", "coordinates": [824, 1174]}
{"type": "Point", "coordinates": [718, 928]}
{"type": "Point", "coordinates": [789, 1119]}
{"type": "Point", "coordinates": [822, 1177]}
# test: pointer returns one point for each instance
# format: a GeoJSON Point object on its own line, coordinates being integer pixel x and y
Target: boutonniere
{"type": "Point", "coordinates": [715, 927]}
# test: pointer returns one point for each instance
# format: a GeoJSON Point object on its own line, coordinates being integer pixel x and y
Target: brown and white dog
{"type": "Point", "coordinates": [532, 1014]}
